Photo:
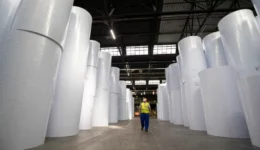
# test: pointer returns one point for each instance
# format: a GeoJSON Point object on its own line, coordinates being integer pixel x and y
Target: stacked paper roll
{"type": "Point", "coordinates": [114, 95]}
{"type": "Point", "coordinates": [258, 23]}
{"type": "Point", "coordinates": [159, 116]}
{"type": "Point", "coordinates": [214, 50]}
{"type": "Point", "coordinates": [159, 109]}
{"type": "Point", "coordinates": [193, 61]}
{"type": "Point", "coordinates": [101, 104]}
{"type": "Point", "coordinates": [222, 106]}
{"type": "Point", "coordinates": [168, 85]}
{"type": "Point", "coordinates": [122, 101]}
{"type": "Point", "coordinates": [256, 4]}
{"type": "Point", "coordinates": [163, 102]}
{"type": "Point", "coordinates": [129, 103]}
{"type": "Point", "coordinates": [249, 93]}
{"type": "Point", "coordinates": [241, 42]}
{"type": "Point", "coordinates": [29, 71]}
{"type": "Point", "coordinates": [89, 87]}
{"type": "Point", "coordinates": [65, 113]}
{"type": "Point", "coordinates": [133, 107]}
{"type": "Point", "coordinates": [8, 10]}
{"type": "Point", "coordinates": [44, 22]}
{"type": "Point", "coordinates": [240, 38]}
{"type": "Point", "coordinates": [182, 90]}
{"type": "Point", "coordinates": [176, 94]}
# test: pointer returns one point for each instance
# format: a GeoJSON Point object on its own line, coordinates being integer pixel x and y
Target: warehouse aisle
{"type": "Point", "coordinates": [127, 136]}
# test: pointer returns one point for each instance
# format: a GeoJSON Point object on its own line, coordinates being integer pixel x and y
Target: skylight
{"type": "Point", "coordinates": [128, 82]}
{"type": "Point", "coordinates": [164, 49]}
{"type": "Point", "coordinates": [154, 82]}
{"type": "Point", "coordinates": [112, 50]}
{"type": "Point", "coordinates": [140, 82]}
{"type": "Point", "coordinates": [137, 50]}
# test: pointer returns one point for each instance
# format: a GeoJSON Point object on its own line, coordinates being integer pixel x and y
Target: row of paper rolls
{"type": "Point", "coordinates": [214, 86]}
{"type": "Point", "coordinates": [54, 80]}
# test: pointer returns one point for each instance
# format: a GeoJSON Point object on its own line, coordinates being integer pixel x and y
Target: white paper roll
{"type": "Point", "coordinates": [93, 53]}
{"type": "Point", "coordinates": [240, 38]}
{"type": "Point", "coordinates": [174, 77]}
{"type": "Point", "coordinates": [183, 101]}
{"type": "Point", "coordinates": [177, 107]}
{"type": "Point", "coordinates": [129, 103]}
{"type": "Point", "coordinates": [88, 98]}
{"type": "Point", "coordinates": [122, 101]}
{"type": "Point", "coordinates": [170, 108]}
{"type": "Point", "coordinates": [122, 94]}
{"type": "Point", "coordinates": [86, 112]}
{"type": "Point", "coordinates": [167, 79]}
{"type": "Point", "coordinates": [90, 84]}
{"type": "Point", "coordinates": [163, 102]}
{"type": "Point", "coordinates": [101, 105]}
{"type": "Point", "coordinates": [195, 107]}
{"type": "Point", "coordinates": [133, 106]}
{"type": "Point", "coordinates": [45, 17]}
{"type": "Point", "coordinates": [8, 10]}
{"type": "Point", "coordinates": [100, 115]}
{"type": "Point", "coordinates": [256, 4]}
{"type": "Point", "coordinates": [28, 75]}
{"type": "Point", "coordinates": [214, 50]}
{"type": "Point", "coordinates": [193, 58]}
{"type": "Point", "coordinates": [249, 93]}
{"type": "Point", "coordinates": [113, 107]}
{"type": "Point", "coordinates": [66, 109]}
{"type": "Point", "coordinates": [258, 23]}
{"type": "Point", "coordinates": [115, 73]}
{"type": "Point", "coordinates": [160, 103]}
{"type": "Point", "coordinates": [176, 95]}
{"type": "Point", "coordinates": [193, 61]}
{"type": "Point", "coordinates": [222, 106]}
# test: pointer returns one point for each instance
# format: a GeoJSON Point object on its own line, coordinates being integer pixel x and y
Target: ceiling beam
{"type": "Point", "coordinates": [128, 17]}
{"type": "Point", "coordinates": [143, 62]}
{"type": "Point", "coordinates": [144, 34]}
{"type": "Point", "coordinates": [143, 78]}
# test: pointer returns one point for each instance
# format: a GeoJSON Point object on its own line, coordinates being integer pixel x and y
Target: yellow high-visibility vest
{"type": "Point", "coordinates": [145, 108]}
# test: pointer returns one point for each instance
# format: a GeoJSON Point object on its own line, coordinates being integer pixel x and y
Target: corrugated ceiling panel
{"type": "Point", "coordinates": [171, 26]}
{"type": "Point", "coordinates": [169, 38]}
{"type": "Point", "coordinates": [172, 1]}
{"type": "Point", "coordinates": [176, 7]}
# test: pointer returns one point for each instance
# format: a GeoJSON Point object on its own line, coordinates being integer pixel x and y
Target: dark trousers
{"type": "Point", "coordinates": [144, 121]}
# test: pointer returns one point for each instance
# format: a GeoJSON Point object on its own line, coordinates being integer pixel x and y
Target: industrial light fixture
{"type": "Point", "coordinates": [113, 34]}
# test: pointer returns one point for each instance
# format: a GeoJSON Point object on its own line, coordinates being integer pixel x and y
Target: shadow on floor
{"type": "Point", "coordinates": [127, 135]}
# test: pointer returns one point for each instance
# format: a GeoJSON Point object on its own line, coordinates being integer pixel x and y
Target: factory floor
{"type": "Point", "coordinates": [162, 136]}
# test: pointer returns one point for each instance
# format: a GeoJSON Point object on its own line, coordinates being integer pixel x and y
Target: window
{"type": "Point", "coordinates": [163, 81]}
{"type": "Point", "coordinates": [137, 50]}
{"type": "Point", "coordinates": [112, 50]}
{"type": "Point", "coordinates": [128, 82]}
{"type": "Point", "coordinates": [164, 49]}
{"type": "Point", "coordinates": [154, 82]}
{"type": "Point", "coordinates": [140, 82]}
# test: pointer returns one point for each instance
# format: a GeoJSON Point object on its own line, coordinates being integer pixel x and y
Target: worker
{"type": "Point", "coordinates": [144, 110]}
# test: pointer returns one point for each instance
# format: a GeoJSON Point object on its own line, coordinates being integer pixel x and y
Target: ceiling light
{"type": "Point", "coordinates": [113, 34]}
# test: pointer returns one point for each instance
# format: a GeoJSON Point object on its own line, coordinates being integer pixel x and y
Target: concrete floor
{"type": "Point", "coordinates": [128, 136]}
